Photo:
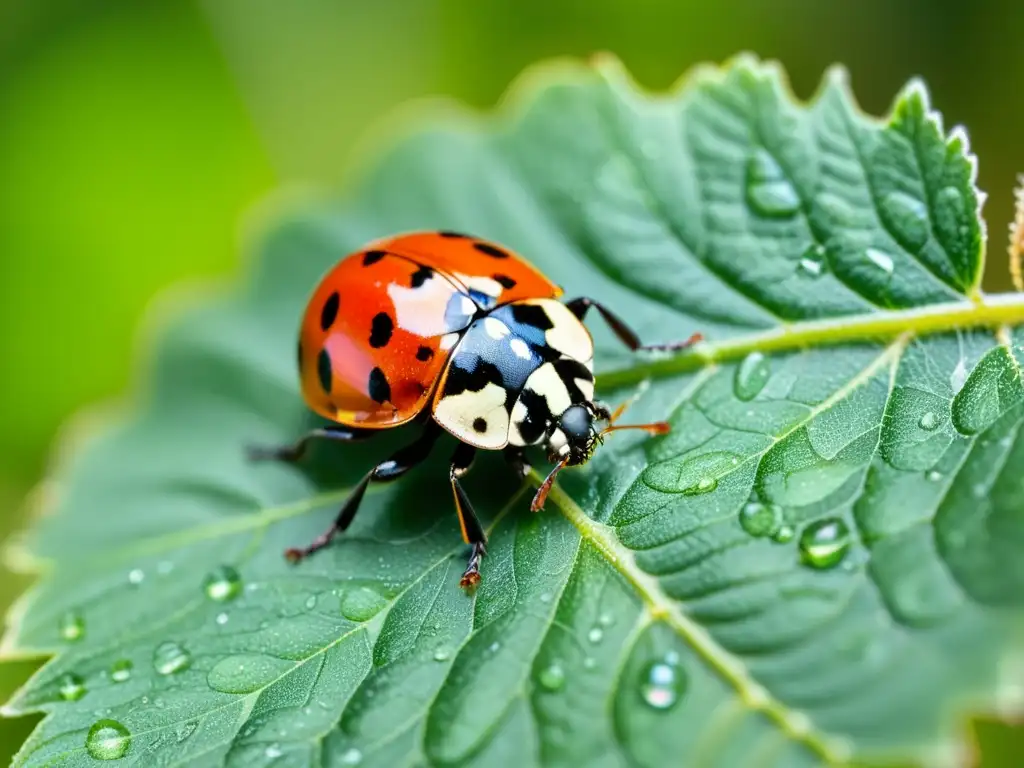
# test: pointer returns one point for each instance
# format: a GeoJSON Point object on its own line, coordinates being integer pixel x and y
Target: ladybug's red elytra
{"type": "Point", "coordinates": [463, 335]}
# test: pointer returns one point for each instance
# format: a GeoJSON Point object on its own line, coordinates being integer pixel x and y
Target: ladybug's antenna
{"type": "Point", "coordinates": [654, 428]}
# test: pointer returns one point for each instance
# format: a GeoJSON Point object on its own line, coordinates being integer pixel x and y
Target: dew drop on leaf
{"type": "Point", "coordinates": [812, 262]}
{"type": "Point", "coordinates": [784, 534]}
{"type": "Point", "coordinates": [311, 602]}
{"type": "Point", "coordinates": [71, 626]}
{"type": "Point", "coordinates": [928, 421]}
{"type": "Point", "coordinates": [121, 671]}
{"type": "Point", "coordinates": [223, 584]}
{"type": "Point", "coordinates": [442, 654]}
{"type": "Point", "coordinates": [595, 635]}
{"type": "Point", "coordinates": [351, 756]}
{"type": "Point", "coordinates": [751, 375]}
{"type": "Point", "coordinates": [823, 544]}
{"type": "Point", "coordinates": [72, 687]}
{"type": "Point", "coordinates": [605, 619]}
{"type": "Point", "coordinates": [552, 677]}
{"type": "Point", "coordinates": [170, 657]}
{"type": "Point", "coordinates": [662, 684]}
{"type": "Point", "coordinates": [185, 730]}
{"type": "Point", "coordinates": [907, 219]}
{"type": "Point", "coordinates": [272, 752]}
{"type": "Point", "coordinates": [769, 192]}
{"type": "Point", "coordinates": [880, 259]}
{"type": "Point", "coordinates": [759, 519]}
{"type": "Point", "coordinates": [361, 604]}
{"type": "Point", "coordinates": [934, 475]}
{"type": "Point", "coordinates": [136, 576]}
{"type": "Point", "coordinates": [108, 740]}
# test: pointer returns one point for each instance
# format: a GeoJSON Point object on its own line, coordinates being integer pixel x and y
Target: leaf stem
{"type": "Point", "coordinates": [987, 312]}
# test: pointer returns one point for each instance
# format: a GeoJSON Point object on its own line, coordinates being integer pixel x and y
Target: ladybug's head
{"type": "Point", "coordinates": [573, 434]}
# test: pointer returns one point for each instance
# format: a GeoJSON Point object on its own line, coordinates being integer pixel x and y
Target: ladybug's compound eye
{"type": "Point", "coordinates": [576, 423]}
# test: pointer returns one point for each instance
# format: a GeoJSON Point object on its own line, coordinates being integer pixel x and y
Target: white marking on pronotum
{"type": "Point", "coordinates": [546, 382]}
{"type": "Point", "coordinates": [457, 413]}
{"type": "Point", "coordinates": [495, 328]}
{"type": "Point", "coordinates": [521, 349]}
{"type": "Point", "coordinates": [448, 341]}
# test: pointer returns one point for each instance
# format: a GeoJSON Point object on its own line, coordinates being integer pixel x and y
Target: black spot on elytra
{"type": "Point", "coordinates": [480, 425]}
{"type": "Point", "coordinates": [372, 257]}
{"type": "Point", "coordinates": [381, 329]}
{"type": "Point", "coordinates": [531, 314]}
{"type": "Point", "coordinates": [450, 233]}
{"type": "Point", "coordinates": [424, 353]}
{"type": "Point", "coordinates": [323, 369]}
{"type": "Point", "coordinates": [505, 280]}
{"type": "Point", "coordinates": [491, 250]}
{"type": "Point", "coordinates": [420, 276]}
{"type": "Point", "coordinates": [538, 415]}
{"type": "Point", "coordinates": [378, 387]}
{"type": "Point", "coordinates": [330, 311]}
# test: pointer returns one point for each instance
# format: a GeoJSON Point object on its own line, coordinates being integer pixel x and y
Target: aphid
{"type": "Point", "coordinates": [459, 334]}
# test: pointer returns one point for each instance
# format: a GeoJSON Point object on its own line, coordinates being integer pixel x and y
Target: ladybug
{"type": "Point", "coordinates": [462, 335]}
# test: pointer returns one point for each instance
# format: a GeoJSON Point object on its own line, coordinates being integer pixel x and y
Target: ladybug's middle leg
{"type": "Point", "coordinates": [626, 334]}
{"type": "Point", "coordinates": [472, 531]}
{"type": "Point", "coordinates": [297, 450]}
{"type": "Point", "coordinates": [400, 462]}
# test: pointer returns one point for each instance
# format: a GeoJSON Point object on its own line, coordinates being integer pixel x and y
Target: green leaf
{"type": "Point", "coordinates": [824, 559]}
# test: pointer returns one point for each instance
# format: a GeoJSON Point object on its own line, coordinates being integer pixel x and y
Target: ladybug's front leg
{"type": "Point", "coordinates": [626, 334]}
{"type": "Point", "coordinates": [472, 531]}
{"type": "Point", "coordinates": [400, 462]}
{"type": "Point", "coordinates": [297, 450]}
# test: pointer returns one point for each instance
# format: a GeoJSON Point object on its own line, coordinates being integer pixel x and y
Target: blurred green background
{"type": "Point", "coordinates": [135, 135]}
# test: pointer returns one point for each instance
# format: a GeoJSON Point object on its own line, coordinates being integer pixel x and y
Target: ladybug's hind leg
{"type": "Point", "coordinates": [297, 450]}
{"type": "Point", "coordinates": [626, 334]}
{"type": "Point", "coordinates": [400, 462]}
{"type": "Point", "coordinates": [472, 531]}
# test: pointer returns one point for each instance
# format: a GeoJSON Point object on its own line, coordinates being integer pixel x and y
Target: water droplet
{"type": "Point", "coordinates": [351, 756]}
{"type": "Point", "coordinates": [769, 192]}
{"type": "Point", "coordinates": [704, 485]}
{"type": "Point", "coordinates": [784, 534]}
{"type": "Point", "coordinates": [72, 626]}
{"type": "Point", "coordinates": [605, 619]}
{"type": "Point", "coordinates": [751, 375]}
{"type": "Point", "coordinates": [696, 475]}
{"type": "Point", "coordinates": [545, 597]}
{"type": "Point", "coordinates": [589, 663]}
{"type": "Point", "coordinates": [934, 476]}
{"type": "Point", "coordinates": [493, 647]}
{"type": "Point", "coordinates": [272, 752]}
{"type": "Point", "coordinates": [442, 654]}
{"type": "Point", "coordinates": [928, 421]}
{"type": "Point", "coordinates": [185, 730]}
{"type": "Point", "coordinates": [552, 677]}
{"type": "Point", "coordinates": [907, 219]}
{"type": "Point", "coordinates": [823, 544]}
{"type": "Point", "coordinates": [759, 519]}
{"type": "Point", "coordinates": [361, 604]}
{"type": "Point", "coordinates": [121, 671]}
{"type": "Point", "coordinates": [223, 584]}
{"type": "Point", "coordinates": [311, 602]}
{"type": "Point", "coordinates": [72, 687]}
{"type": "Point", "coordinates": [662, 683]}
{"type": "Point", "coordinates": [170, 657]}
{"type": "Point", "coordinates": [108, 740]}
{"type": "Point", "coordinates": [222, 619]}
{"type": "Point", "coordinates": [136, 576]}
{"type": "Point", "coordinates": [813, 261]}
{"type": "Point", "coordinates": [880, 259]}
{"type": "Point", "coordinates": [595, 635]}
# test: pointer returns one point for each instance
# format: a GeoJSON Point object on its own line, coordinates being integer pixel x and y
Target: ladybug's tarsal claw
{"type": "Point", "coordinates": [471, 576]}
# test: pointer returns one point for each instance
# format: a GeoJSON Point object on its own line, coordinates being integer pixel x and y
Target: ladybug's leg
{"type": "Point", "coordinates": [297, 450]}
{"type": "Point", "coordinates": [626, 334]}
{"type": "Point", "coordinates": [472, 531]}
{"type": "Point", "coordinates": [400, 462]}
{"type": "Point", "coordinates": [517, 460]}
